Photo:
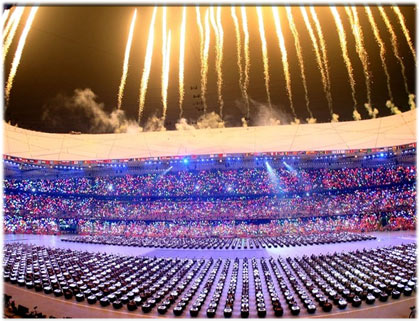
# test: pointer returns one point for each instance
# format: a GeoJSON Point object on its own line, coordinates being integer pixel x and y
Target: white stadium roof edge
{"type": "Point", "coordinates": [381, 132]}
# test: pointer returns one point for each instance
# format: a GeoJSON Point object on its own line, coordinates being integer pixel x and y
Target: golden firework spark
{"type": "Point", "coordinates": [17, 13]}
{"type": "Point", "coordinates": [394, 45]}
{"type": "Point", "coordinates": [5, 16]}
{"type": "Point", "coordinates": [246, 56]}
{"type": "Point", "coordinates": [238, 49]}
{"type": "Point", "coordinates": [405, 31]}
{"type": "Point", "coordinates": [126, 59]}
{"type": "Point", "coordinates": [283, 51]}
{"type": "Point", "coordinates": [181, 61]}
{"type": "Point", "coordinates": [166, 74]}
{"type": "Point", "coordinates": [12, 31]}
{"type": "Point", "coordinates": [164, 46]}
{"type": "Point", "coordinates": [343, 45]}
{"type": "Point", "coordinates": [299, 54]}
{"type": "Point", "coordinates": [220, 61]}
{"type": "Point", "coordinates": [382, 50]}
{"type": "Point", "coordinates": [200, 29]}
{"type": "Point", "coordinates": [360, 49]}
{"type": "Point", "coordinates": [324, 57]}
{"type": "Point", "coordinates": [205, 68]}
{"type": "Point", "coordinates": [19, 50]}
{"type": "Point", "coordinates": [147, 64]}
{"type": "Point", "coordinates": [317, 54]}
{"type": "Point", "coordinates": [264, 53]}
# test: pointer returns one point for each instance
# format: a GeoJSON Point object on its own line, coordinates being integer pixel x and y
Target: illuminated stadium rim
{"type": "Point", "coordinates": [369, 153]}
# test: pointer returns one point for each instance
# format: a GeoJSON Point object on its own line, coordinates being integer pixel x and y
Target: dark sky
{"type": "Point", "coordinates": [78, 47]}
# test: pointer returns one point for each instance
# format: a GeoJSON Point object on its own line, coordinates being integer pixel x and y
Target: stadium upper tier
{"type": "Point", "coordinates": [382, 132]}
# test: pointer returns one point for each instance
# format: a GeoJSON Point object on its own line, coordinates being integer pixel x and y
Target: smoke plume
{"type": "Point", "coordinates": [244, 122]}
{"type": "Point", "coordinates": [373, 112]}
{"type": "Point", "coordinates": [311, 120]}
{"type": "Point", "coordinates": [335, 118]}
{"type": "Point", "coordinates": [394, 109]}
{"type": "Point", "coordinates": [155, 124]}
{"type": "Point", "coordinates": [411, 101]}
{"type": "Point", "coordinates": [356, 115]}
{"type": "Point", "coordinates": [210, 120]}
{"type": "Point", "coordinates": [182, 124]}
{"type": "Point", "coordinates": [82, 113]}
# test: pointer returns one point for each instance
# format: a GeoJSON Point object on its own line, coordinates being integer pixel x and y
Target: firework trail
{"type": "Point", "coordinates": [19, 50]}
{"type": "Point", "coordinates": [360, 49]}
{"type": "Point", "coordinates": [220, 61]}
{"type": "Point", "coordinates": [12, 31]}
{"type": "Point", "coordinates": [5, 15]}
{"type": "Point", "coordinates": [343, 44]}
{"type": "Point", "coordinates": [218, 56]}
{"type": "Point", "coordinates": [405, 31]}
{"type": "Point", "coordinates": [265, 55]}
{"type": "Point", "coordinates": [246, 56]}
{"type": "Point", "coordinates": [317, 53]}
{"type": "Point", "coordinates": [382, 51]}
{"type": "Point", "coordinates": [299, 53]}
{"type": "Point", "coordinates": [16, 14]}
{"type": "Point", "coordinates": [164, 47]}
{"type": "Point", "coordinates": [147, 64]}
{"type": "Point", "coordinates": [181, 61]}
{"type": "Point", "coordinates": [205, 66]}
{"type": "Point", "coordinates": [238, 49]}
{"type": "Point", "coordinates": [283, 51]}
{"type": "Point", "coordinates": [394, 45]}
{"type": "Point", "coordinates": [126, 59]}
{"type": "Point", "coordinates": [200, 28]}
{"type": "Point", "coordinates": [324, 59]}
{"type": "Point", "coordinates": [165, 80]}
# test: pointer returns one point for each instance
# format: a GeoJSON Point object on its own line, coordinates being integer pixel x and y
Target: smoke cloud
{"type": "Point", "coordinates": [373, 112]}
{"type": "Point", "coordinates": [295, 122]}
{"type": "Point", "coordinates": [394, 109]}
{"type": "Point", "coordinates": [210, 120]}
{"type": "Point", "coordinates": [311, 120]}
{"type": "Point", "coordinates": [335, 118]}
{"type": "Point", "coordinates": [182, 124]}
{"type": "Point", "coordinates": [82, 113]}
{"type": "Point", "coordinates": [244, 122]}
{"type": "Point", "coordinates": [267, 116]}
{"type": "Point", "coordinates": [155, 124]}
{"type": "Point", "coordinates": [411, 101]}
{"type": "Point", "coordinates": [356, 115]}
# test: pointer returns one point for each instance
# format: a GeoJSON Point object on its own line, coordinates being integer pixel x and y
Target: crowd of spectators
{"type": "Point", "coordinates": [245, 181]}
{"type": "Point", "coordinates": [390, 221]}
{"type": "Point", "coordinates": [349, 199]}
{"type": "Point", "coordinates": [371, 200]}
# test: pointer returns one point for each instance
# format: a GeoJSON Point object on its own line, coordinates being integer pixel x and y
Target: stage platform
{"type": "Point", "coordinates": [59, 307]}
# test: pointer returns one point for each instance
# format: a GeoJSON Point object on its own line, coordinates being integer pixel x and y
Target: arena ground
{"type": "Point", "coordinates": [60, 307]}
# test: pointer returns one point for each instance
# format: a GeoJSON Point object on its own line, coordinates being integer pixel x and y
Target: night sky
{"type": "Point", "coordinates": [79, 47]}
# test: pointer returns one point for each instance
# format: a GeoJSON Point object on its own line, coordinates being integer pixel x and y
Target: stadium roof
{"type": "Point", "coordinates": [373, 133]}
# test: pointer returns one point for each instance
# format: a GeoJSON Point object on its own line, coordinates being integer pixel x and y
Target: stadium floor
{"type": "Point", "coordinates": [59, 307]}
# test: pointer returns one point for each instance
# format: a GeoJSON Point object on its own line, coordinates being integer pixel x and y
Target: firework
{"type": "Point", "coordinates": [181, 61]}
{"type": "Point", "coordinates": [264, 53]}
{"type": "Point", "coordinates": [405, 31]}
{"type": "Point", "coordinates": [238, 49]}
{"type": "Point", "coordinates": [220, 61]}
{"type": "Point", "coordinates": [147, 64]}
{"type": "Point", "coordinates": [382, 50]}
{"type": "Point", "coordinates": [126, 59]}
{"type": "Point", "coordinates": [324, 58]}
{"type": "Point", "coordinates": [343, 45]}
{"type": "Point", "coordinates": [19, 50]}
{"type": "Point", "coordinates": [205, 66]}
{"type": "Point", "coordinates": [165, 81]}
{"type": "Point", "coordinates": [12, 30]}
{"type": "Point", "coordinates": [394, 45]}
{"type": "Point", "coordinates": [360, 49]}
{"type": "Point", "coordinates": [246, 57]}
{"type": "Point", "coordinates": [299, 54]}
{"type": "Point", "coordinates": [283, 51]}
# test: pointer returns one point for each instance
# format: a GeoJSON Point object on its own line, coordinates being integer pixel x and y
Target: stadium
{"type": "Point", "coordinates": [176, 217]}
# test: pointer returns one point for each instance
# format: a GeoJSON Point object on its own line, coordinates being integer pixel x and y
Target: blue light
{"type": "Point", "coordinates": [185, 160]}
